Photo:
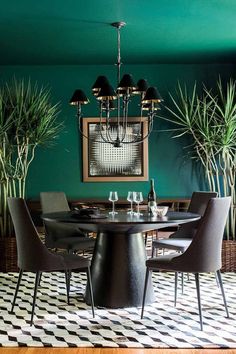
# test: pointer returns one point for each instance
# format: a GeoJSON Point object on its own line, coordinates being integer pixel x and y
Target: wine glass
{"type": "Point", "coordinates": [138, 198]}
{"type": "Point", "coordinates": [113, 197]}
{"type": "Point", "coordinates": [130, 198]}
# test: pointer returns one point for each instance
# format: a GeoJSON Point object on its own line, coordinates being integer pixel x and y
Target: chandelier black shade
{"type": "Point", "coordinates": [118, 99]}
{"type": "Point", "coordinates": [141, 88]}
{"type": "Point", "coordinates": [78, 97]}
{"type": "Point", "coordinates": [152, 96]}
{"type": "Point", "coordinates": [126, 84]}
{"type": "Point", "coordinates": [106, 93]}
{"type": "Point", "coordinates": [99, 83]}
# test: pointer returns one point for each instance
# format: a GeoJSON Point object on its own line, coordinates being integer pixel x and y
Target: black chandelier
{"type": "Point", "coordinates": [107, 96]}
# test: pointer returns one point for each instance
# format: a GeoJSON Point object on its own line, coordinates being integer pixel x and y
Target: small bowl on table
{"type": "Point", "coordinates": [161, 210]}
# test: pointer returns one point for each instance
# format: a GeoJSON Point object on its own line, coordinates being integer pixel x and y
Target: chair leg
{"type": "Point", "coordinates": [157, 235]}
{"type": "Point", "coordinates": [145, 239]}
{"type": "Point", "coordinates": [40, 277]}
{"type": "Point", "coordinates": [176, 287]}
{"type": "Point", "coordinates": [153, 249]}
{"type": "Point", "coordinates": [90, 289]}
{"type": "Point", "coordinates": [17, 288]}
{"type": "Point", "coordinates": [145, 291]}
{"type": "Point", "coordinates": [217, 280]}
{"type": "Point", "coordinates": [182, 282]}
{"type": "Point", "coordinates": [199, 299]}
{"type": "Point", "coordinates": [218, 274]}
{"type": "Point", "coordinates": [67, 278]}
{"type": "Point", "coordinates": [37, 277]}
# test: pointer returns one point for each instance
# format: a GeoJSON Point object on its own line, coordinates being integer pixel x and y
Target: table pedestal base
{"type": "Point", "coordinates": [118, 271]}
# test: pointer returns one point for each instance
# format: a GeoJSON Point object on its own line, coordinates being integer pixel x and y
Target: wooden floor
{"type": "Point", "coordinates": [112, 351]}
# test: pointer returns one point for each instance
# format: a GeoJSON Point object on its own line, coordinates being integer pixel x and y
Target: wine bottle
{"type": "Point", "coordinates": [151, 197]}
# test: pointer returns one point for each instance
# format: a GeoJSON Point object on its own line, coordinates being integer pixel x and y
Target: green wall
{"type": "Point", "coordinates": [60, 167]}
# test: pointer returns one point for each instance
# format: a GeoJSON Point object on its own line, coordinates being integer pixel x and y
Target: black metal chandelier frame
{"type": "Point", "coordinates": [150, 100]}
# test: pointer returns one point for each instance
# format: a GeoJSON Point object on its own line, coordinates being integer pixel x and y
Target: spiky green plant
{"type": "Point", "coordinates": [27, 119]}
{"type": "Point", "coordinates": [210, 120]}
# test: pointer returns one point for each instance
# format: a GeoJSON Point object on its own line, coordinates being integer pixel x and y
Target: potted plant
{"type": "Point", "coordinates": [209, 119]}
{"type": "Point", "coordinates": [27, 120]}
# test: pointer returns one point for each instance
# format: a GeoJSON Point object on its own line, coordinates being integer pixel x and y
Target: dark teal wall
{"type": "Point", "coordinates": [60, 167]}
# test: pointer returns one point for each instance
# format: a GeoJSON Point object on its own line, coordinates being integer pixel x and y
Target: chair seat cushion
{"type": "Point", "coordinates": [53, 262]}
{"type": "Point", "coordinates": [60, 230]}
{"type": "Point", "coordinates": [162, 262]}
{"type": "Point", "coordinates": [173, 244]}
{"type": "Point", "coordinates": [72, 261]}
{"type": "Point", "coordinates": [75, 243]}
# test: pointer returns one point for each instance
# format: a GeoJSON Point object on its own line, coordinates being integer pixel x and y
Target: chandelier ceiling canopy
{"type": "Point", "coordinates": [119, 100]}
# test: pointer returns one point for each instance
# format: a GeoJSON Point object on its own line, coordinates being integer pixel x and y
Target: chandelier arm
{"type": "Point", "coordinates": [140, 119]}
{"type": "Point", "coordinates": [108, 133]}
{"type": "Point", "coordinates": [139, 131]}
{"type": "Point", "coordinates": [118, 80]}
{"type": "Point", "coordinates": [108, 126]}
{"type": "Point", "coordinates": [136, 142]}
{"type": "Point", "coordinates": [140, 123]}
{"type": "Point", "coordinates": [100, 124]}
{"type": "Point", "coordinates": [87, 137]}
{"type": "Point", "coordinates": [106, 139]}
{"type": "Point", "coordinates": [125, 118]}
{"type": "Point", "coordinates": [80, 116]}
{"type": "Point", "coordinates": [118, 117]}
{"type": "Point", "coordinates": [150, 128]}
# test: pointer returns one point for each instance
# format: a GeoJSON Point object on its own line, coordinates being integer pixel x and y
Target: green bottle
{"type": "Point", "coordinates": [152, 198]}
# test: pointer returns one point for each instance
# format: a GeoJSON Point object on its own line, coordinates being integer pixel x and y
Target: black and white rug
{"type": "Point", "coordinates": [57, 324]}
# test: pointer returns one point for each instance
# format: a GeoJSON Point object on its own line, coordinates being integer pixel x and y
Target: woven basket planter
{"type": "Point", "coordinates": [8, 255]}
{"type": "Point", "coordinates": [228, 256]}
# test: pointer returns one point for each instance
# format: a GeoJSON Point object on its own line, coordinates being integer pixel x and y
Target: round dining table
{"type": "Point", "coordinates": [118, 262]}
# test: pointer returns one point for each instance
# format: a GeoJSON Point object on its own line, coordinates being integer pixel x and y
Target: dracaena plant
{"type": "Point", "coordinates": [209, 119]}
{"type": "Point", "coordinates": [27, 119]}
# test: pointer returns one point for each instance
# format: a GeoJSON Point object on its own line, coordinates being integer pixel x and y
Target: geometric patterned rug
{"type": "Point", "coordinates": [57, 324]}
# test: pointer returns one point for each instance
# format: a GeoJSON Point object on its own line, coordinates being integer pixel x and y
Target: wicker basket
{"type": "Point", "coordinates": [228, 256]}
{"type": "Point", "coordinates": [8, 255]}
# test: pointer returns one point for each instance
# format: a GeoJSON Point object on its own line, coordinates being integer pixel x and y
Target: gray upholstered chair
{"type": "Point", "coordinates": [62, 235]}
{"type": "Point", "coordinates": [34, 256]}
{"type": "Point", "coordinates": [181, 239]}
{"type": "Point", "coordinates": [203, 254]}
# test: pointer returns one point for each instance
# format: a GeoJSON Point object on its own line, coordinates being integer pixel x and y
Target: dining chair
{"type": "Point", "coordinates": [62, 235]}
{"type": "Point", "coordinates": [181, 239]}
{"type": "Point", "coordinates": [34, 256]}
{"type": "Point", "coordinates": [203, 254]}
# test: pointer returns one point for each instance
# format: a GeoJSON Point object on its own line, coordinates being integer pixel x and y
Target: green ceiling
{"type": "Point", "coordinates": [69, 32]}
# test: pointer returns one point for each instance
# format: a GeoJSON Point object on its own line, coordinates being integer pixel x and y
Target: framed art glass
{"type": "Point", "coordinates": [103, 162]}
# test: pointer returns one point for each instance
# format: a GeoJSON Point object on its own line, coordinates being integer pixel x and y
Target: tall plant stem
{"type": "Point", "coordinates": [4, 202]}
{"type": "Point", "coordinates": [210, 120]}
{"type": "Point", "coordinates": [27, 119]}
{"type": "Point", "coordinates": [1, 212]}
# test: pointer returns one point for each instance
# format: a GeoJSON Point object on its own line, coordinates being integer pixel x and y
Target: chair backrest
{"type": "Point", "coordinates": [53, 202]}
{"type": "Point", "coordinates": [32, 254]}
{"type": "Point", "coordinates": [204, 252]}
{"type": "Point", "coordinates": [199, 202]}
{"type": "Point", "coordinates": [198, 205]}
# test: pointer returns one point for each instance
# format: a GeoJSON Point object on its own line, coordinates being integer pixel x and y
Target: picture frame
{"type": "Point", "coordinates": [102, 162]}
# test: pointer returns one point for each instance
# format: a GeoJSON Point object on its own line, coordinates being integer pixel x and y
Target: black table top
{"type": "Point", "coordinates": [122, 217]}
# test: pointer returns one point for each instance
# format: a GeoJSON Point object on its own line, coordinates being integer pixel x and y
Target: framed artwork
{"type": "Point", "coordinates": [102, 162]}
